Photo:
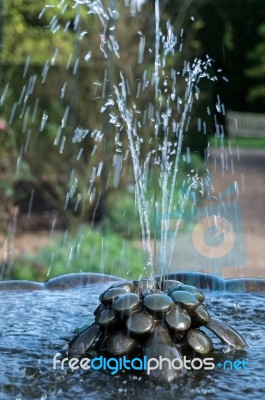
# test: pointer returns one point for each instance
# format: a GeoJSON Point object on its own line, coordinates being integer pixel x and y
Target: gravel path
{"type": "Point", "coordinates": [247, 167]}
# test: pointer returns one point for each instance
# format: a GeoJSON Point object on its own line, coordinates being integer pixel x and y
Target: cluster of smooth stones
{"type": "Point", "coordinates": [152, 319]}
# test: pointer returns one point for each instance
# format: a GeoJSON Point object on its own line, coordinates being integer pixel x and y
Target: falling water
{"type": "Point", "coordinates": [167, 134]}
{"type": "Point", "coordinates": [168, 114]}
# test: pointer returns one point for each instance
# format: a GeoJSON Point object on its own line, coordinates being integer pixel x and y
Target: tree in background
{"type": "Point", "coordinates": [228, 32]}
{"type": "Point", "coordinates": [256, 93]}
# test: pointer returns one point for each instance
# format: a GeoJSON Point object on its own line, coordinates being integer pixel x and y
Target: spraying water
{"type": "Point", "coordinates": [169, 123]}
{"type": "Point", "coordinates": [154, 135]}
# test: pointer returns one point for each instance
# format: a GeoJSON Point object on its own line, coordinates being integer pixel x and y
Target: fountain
{"type": "Point", "coordinates": [161, 313]}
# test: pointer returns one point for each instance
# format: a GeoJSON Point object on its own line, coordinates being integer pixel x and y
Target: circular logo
{"type": "Point", "coordinates": [220, 229]}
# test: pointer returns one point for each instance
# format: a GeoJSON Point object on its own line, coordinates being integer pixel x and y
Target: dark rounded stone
{"type": "Point", "coordinates": [126, 304]}
{"type": "Point", "coordinates": [200, 342]}
{"type": "Point", "coordinates": [200, 316]}
{"type": "Point", "coordinates": [106, 317]}
{"type": "Point", "coordinates": [178, 319]}
{"type": "Point", "coordinates": [227, 334]}
{"type": "Point", "coordinates": [128, 286]}
{"type": "Point", "coordinates": [110, 295]}
{"type": "Point", "coordinates": [170, 286]}
{"type": "Point", "coordinates": [193, 290]}
{"type": "Point", "coordinates": [160, 344]}
{"type": "Point", "coordinates": [139, 323]}
{"type": "Point", "coordinates": [121, 344]}
{"type": "Point", "coordinates": [158, 303]}
{"type": "Point", "coordinates": [186, 299]}
{"type": "Point", "coordinates": [83, 341]}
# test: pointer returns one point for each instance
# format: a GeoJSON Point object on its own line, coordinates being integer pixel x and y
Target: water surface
{"type": "Point", "coordinates": [36, 325]}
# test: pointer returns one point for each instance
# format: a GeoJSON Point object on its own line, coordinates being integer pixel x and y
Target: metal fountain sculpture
{"type": "Point", "coordinates": [153, 319]}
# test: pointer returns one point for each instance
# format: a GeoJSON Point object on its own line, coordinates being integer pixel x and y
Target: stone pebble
{"type": "Point", "coordinates": [111, 294]}
{"type": "Point", "coordinates": [83, 341]}
{"type": "Point", "coordinates": [192, 289]}
{"type": "Point", "coordinates": [128, 286]}
{"type": "Point", "coordinates": [160, 344]}
{"type": "Point", "coordinates": [139, 323]}
{"type": "Point", "coordinates": [186, 299]}
{"type": "Point", "coordinates": [158, 303]}
{"type": "Point", "coordinates": [170, 286]}
{"type": "Point", "coordinates": [106, 318]}
{"type": "Point", "coordinates": [119, 343]}
{"type": "Point", "coordinates": [178, 319]}
{"type": "Point", "coordinates": [227, 334]}
{"type": "Point", "coordinates": [198, 341]}
{"type": "Point", "coordinates": [200, 316]}
{"type": "Point", "coordinates": [126, 304]}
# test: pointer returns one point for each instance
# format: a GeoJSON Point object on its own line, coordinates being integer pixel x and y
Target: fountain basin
{"type": "Point", "coordinates": [39, 319]}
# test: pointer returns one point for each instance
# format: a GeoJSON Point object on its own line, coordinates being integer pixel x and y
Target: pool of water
{"type": "Point", "coordinates": [37, 324]}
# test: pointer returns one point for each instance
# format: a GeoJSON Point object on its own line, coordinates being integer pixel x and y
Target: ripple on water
{"type": "Point", "coordinates": [36, 325]}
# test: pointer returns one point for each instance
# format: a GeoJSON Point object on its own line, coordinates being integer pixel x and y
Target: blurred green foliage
{"type": "Point", "coordinates": [256, 72]}
{"type": "Point", "coordinates": [241, 142]}
{"type": "Point", "coordinates": [84, 251]}
{"type": "Point", "coordinates": [30, 30]}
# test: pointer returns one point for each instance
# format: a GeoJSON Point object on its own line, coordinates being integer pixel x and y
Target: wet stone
{"type": "Point", "coordinates": [199, 342]}
{"type": "Point", "coordinates": [227, 334]}
{"type": "Point", "coordinates": [200, 316]}
{"type": "Point", "coordinates": [185, 299]}
{"type": "Point", "coordinates": [160, 344]}
{"type": "Point", "coordinates": [121, 344]}
{"type": "Point", "coordinates": [139, 323]}
{"type": "Point", "coordinates": [178, 319]}
{"type": "Point", "coordinates": [170, 286]}
{"type": "Point", "coordinates": [83, 341]}
{"type": "Point", "coordinates": [126, 285]}
{"type": "Point", "coordinates": [193, 290]}
{"type": "Point", "coordinates": [106, 318]}
{"type": "Point", "coordinates": [126, 304]}
{"type": "Point", "coordinates": [110, 295]}
{"type": "Point", "coordinates": [158, 303]}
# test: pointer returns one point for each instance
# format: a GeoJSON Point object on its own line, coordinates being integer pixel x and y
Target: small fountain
{"type": "Point", "coordinates": [144, 319]}
{"type": "Point", "coordinates": [163, 315]}
{"type": "Point", "coordinates": [149, 318]}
